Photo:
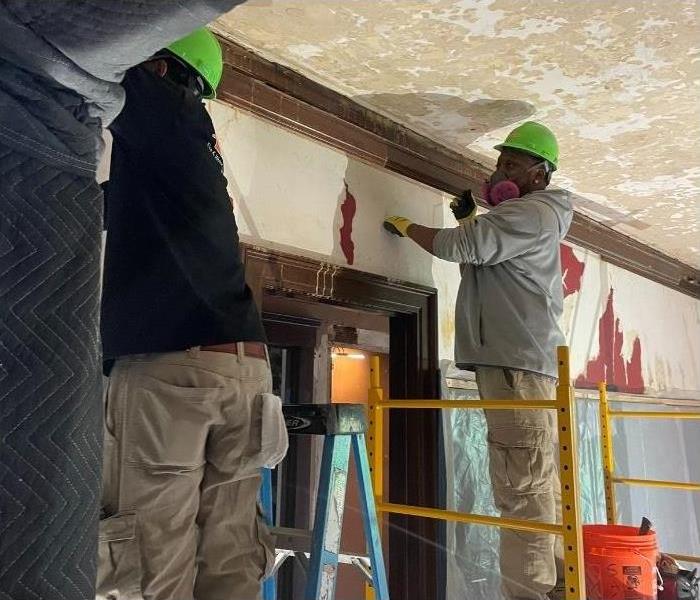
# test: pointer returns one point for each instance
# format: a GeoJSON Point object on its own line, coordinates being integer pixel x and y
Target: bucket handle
{"type": "Point", "coordinates": [659, 580]}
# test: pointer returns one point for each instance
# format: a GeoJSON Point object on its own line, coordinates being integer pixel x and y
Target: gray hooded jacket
{"type": "Point", "coordinates": [510, 298]}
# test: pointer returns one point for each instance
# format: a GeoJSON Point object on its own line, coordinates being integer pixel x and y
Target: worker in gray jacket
{"type": "Point", "coordinates": [506, 330]}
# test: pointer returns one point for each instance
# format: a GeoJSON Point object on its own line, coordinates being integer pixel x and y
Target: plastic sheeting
{"type": "Point", "coordinates": [660, 449]}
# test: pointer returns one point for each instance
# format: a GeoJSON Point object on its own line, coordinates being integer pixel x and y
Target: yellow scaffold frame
{"type": "Point", "coordinates": [611, 479]}
{"type": "Point", "coordinates": [570, 528]}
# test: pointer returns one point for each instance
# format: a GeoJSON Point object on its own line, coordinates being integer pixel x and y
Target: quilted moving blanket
{"type": "Point", "coordinates": [60, 67]}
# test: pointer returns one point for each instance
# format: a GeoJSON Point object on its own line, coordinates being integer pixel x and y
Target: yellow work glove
{"type": "Point", "coordinates": [463, 207]}
{"type": "Point", "coordinates": [397, 225]}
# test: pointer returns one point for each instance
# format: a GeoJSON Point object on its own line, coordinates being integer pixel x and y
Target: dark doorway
{"type": "Point", "coordinates": [291, 343]}
{"type": "Point", "coordinates": [412, 313]}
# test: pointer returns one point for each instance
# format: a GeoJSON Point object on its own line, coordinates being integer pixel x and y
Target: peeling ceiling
{"type": "Point", "coordinates": [617, 80]}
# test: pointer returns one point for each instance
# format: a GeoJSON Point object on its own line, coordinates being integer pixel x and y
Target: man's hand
{"type": "Point", "coordinates": [464, 207]}
{"type": "Point", "coordinates": [423, 236]}
{"type": "Point", "coordinates": [397, 225]}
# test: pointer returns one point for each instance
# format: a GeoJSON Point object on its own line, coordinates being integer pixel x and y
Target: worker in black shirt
{"type": "Point", "coordinates": [189, 419]}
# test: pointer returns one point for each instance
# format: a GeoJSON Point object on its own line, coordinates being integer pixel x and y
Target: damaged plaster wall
{"type": "Point", "coordinates": [296, 195]}
{"type": "Point", "coordinates": [618, 81]}
{"type": "Point", "coordinates": [291, 194]}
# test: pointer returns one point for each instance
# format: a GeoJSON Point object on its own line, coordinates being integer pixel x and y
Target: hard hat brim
{"type": "Point", "coordinates": [526, 150]}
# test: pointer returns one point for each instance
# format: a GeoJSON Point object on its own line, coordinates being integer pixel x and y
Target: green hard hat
{"type": "Point", "coordinates": [535, 139]}
{"type": "Point", "coordinates": [201, 51]}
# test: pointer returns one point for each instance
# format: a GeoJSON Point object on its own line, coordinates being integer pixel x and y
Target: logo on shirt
{"type": "Point", "coordinates": [216, 151]}
{"type": "Point", "coordinates": [296, 423]}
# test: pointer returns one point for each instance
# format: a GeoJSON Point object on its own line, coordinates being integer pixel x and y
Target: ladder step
{"type": "Point", "coordinates": [299, 541]}
{"type": "Point", "coordinates": [325, 419]}
{"type": "Point", "coordinates": [319, 551]}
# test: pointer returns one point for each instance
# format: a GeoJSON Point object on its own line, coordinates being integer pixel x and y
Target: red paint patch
{"type": "Point", "coordinates": [610, 365]}
{"type": "Point", "coordinates": [348, 209]}
{"type": "Point", "coordinates": [571, 270]}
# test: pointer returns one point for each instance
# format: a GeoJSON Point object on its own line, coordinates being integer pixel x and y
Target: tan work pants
{"type": "Point", "coordinates": [181, 478]}
{"type": "Point", "coordinates": [524, 479]}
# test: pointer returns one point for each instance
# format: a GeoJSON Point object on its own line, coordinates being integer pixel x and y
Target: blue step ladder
{"type": "Point", "coordinates": [343, 427]}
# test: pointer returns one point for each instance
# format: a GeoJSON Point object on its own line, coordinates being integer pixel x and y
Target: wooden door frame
{"type": "Point", "coordinates": [414, 444]}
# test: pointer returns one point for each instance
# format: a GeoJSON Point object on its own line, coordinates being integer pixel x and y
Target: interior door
{"type": "Point", "coordinates": [291, 343]}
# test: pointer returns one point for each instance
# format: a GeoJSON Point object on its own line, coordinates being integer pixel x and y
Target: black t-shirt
{"type": "Point", "coordinates": [173, 277]}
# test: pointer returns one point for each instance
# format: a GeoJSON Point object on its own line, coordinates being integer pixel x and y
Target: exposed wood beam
{"type": "Point", "coordinates": [289, 99]}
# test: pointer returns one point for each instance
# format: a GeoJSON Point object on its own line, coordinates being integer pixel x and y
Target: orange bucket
{"type": "Point", "coordinates": [619, 563]}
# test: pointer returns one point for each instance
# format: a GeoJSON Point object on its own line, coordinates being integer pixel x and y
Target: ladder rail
{"type": "Point", "coordinates": [318, 551]}
{"type": "Point", "coordinates": [328, 524]}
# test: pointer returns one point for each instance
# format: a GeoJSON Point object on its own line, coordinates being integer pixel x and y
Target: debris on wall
{"type": "Point", "coordinates": [610, 365]}
{"type": "Point", "coordinates": [571, 270]}
{"type": "Point", "coordinates": [348, 209]}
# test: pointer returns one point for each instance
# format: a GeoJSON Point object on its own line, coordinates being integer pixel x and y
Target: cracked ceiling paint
{"type": "Point", "coordinates": [618, 81]}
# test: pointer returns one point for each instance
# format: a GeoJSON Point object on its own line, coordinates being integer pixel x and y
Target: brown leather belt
{"type": "Point", "coordinates": [252, 349]}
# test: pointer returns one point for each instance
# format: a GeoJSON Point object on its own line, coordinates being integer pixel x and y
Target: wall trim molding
{"type": "Point", "coordinates": [288, 99]}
